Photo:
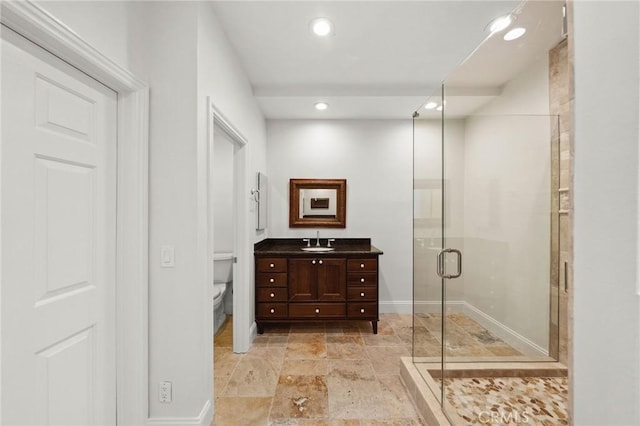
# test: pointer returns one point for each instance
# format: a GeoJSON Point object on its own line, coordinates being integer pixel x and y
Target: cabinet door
{"type": "Point", "coordinates": [303, 279]}
{"type": "Point", "coordinates": [332, 281]}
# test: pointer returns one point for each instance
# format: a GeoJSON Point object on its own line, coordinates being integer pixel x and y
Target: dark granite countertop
{"type": "Point", "coordinates": [293, 247]}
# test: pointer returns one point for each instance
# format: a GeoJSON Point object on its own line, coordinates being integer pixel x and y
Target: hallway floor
{"type": "Point", "coordinates": [327, 374]}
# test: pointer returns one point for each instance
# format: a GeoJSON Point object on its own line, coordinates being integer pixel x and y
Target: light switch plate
{"type": "Point", "coordinates": [167, 257]}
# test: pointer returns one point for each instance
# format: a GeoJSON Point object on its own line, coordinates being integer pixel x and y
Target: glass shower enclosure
{"type": "Point", "coordinates": [485, 252]}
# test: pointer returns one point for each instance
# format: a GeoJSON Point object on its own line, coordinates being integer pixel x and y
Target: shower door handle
{"type": "Point", "coordinates": [440, 266]}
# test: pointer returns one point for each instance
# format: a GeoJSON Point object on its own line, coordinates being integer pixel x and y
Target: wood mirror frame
{"type": "Point", "coordinates": [339, 221]}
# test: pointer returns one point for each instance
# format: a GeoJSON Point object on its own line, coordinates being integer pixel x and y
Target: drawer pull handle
{"type": "Point", "coordinates": [362, 265]}
{"type": "Point", "coordinates": [272, 311]}
{"type": "Point", "coordinates": [362, 294]}
{"type": "Point", "coordinates": [361, 280]}
{"type": "Point", "coordinates": [320, 262]}
{"type": "Point", "coordinates": [313, 261]}
{"type": "Point", "coordinates": [272, 295]}
{"type": "Point", "coordinates": [362, 311]}
{"type": "Point", "coordinates": [317, 311]}
{"type": "Point", "coordinates": [271, 265]}
{"type": "Point", "coordinates": [272, 280]}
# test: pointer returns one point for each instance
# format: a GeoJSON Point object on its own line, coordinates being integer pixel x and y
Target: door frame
{"type": "Point", "coordinates": [132, 230]}
{"type": "Point", "coordinates": [242, 324]}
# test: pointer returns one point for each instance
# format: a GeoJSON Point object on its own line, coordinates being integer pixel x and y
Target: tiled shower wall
{"type": "Point", "coordinates": [561, 105]}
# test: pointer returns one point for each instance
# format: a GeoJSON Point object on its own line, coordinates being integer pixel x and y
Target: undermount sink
{"type": "Point", "coordinates": [318, 249]}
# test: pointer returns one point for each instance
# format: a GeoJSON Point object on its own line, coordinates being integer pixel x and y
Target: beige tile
{"type": "Point", "coordinates": [225, 362]}
{"type": "Point", "coordinates": [328, 422]}
{"type": "Point", "coordinates": [300, 397]}
{"type": "Point", "coordinates": [306, 350]}
{"type": "Point", "coordinates": [253, 376]}
{"type": "Point", "coordinates": [354, 392]}
{"type": "Point", "coordinates": [346, 347]}
{"type": "Point", "coordinates": [392, 422]}
{"type": "Point", "coordinates": [385, 360]}
{"type": "Point", "coordinates": [307, 337]}
{"type": "Point", "coordinates": [396, 397]}
{"type": "Point", "coordinates": [382, 340]}
{"type": "Point", "coordinates": [230, 411]}
{"type": "Point", "coordinates": [304, 367]}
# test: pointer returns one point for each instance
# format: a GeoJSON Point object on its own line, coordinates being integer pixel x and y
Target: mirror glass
{"type": "Point", "coordinates": [317, 203]}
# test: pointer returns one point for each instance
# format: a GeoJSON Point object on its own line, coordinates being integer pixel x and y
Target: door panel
{"type": "Point", "coordinates": [58, 246]}
{"type": "Point", "coordinates": [303, 279]}
{"type": "Point", "coordinates": [332, 284]}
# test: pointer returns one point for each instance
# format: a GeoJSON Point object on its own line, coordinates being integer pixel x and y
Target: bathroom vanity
{"type": "Point", "coordinates": [299, 283]}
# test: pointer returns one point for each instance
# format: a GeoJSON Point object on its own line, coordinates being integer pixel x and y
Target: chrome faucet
{"type": "Point", "coordinates": [308, 241]}
{"type": "Point", "coordinates": [329, 240]}
{"type": "Point", "coordinates": [318, 238]}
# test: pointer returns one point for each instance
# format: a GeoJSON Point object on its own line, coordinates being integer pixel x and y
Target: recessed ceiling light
{"type": "Point", "coordinates": [430, 105]}
{"type": "Point", "coordinates": [500, 23]}
{"type": "Point", "coordinates": [515, 33]}
{"type": "Point", "coordinates": [321, 106]}
{"type": "Point", "coordinates": [321, 27]}
{"type": "Point", "coordinates": [439, 108]}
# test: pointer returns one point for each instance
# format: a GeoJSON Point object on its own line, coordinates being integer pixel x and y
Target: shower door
{"type": "Point", "coordinates": [483, 270]}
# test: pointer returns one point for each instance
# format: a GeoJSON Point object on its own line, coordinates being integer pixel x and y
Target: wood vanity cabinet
{"type": "Point", "coordinates": [315, 288]}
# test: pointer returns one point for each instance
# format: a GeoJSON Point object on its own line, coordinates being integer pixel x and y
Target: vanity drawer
{"type": "Point", "coordinates": [362, 279]}
{"type": "Point", "coordinates": [272, 310]}
{"type": "Point", "coordinates": [317, 310]}
{"type": "Point", "coordinates": [276, 279]}
{"type": "Point", "coordinates": [366, 265]}
{"type": "Point", "coordinates": [362, 293]}
{"type": "Point", "coordinates": [273, 294]}
{"type": "Point", "coordinates": [362, 310]}
{"type": "Point", "coordinates": [272, 264]}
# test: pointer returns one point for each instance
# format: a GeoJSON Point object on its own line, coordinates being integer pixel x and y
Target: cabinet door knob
{"type": "Point", "coordinates": [313, 261]}
{"type": "Point", "coordinates": [271, 265]}
{"type": "Point", "coordinates": [362, 294]}
{"type": "Point", "coordinates": [317, 311]}
{"type": "Point", "coordinates": [320, 262]}
{"type": "Point", "coordinates": [362, 265]}
{"type": "Point", "coordinates": [272, 295]}
{"type": "Point", "coordinates": [272, 311]}
{"type": "Point", "coordinates": [271, 280]}
{"type": "Point", "coordinates": [361, 280]}
{"type": "Point", "coordinates": [362, 311]}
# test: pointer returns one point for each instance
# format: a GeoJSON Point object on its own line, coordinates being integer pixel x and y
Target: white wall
{"type": "Point", "coordinates": [103, 24]}
{"type": "Point", "coordinates": [428, 232]}
{"type": "Point", "coordinates": [507, 204]}
{"type": "Point", "coordinates": [606, 347]}
{"type": "Point", "coordinates": [181, 51]}
{"type": "Point", "coordinates": [223, 213]}
{"type": "Point", "coordinates": [375, 157]}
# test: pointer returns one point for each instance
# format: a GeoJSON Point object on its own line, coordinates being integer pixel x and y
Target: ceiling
{"type": "Point", "coordinates": [383, 60]}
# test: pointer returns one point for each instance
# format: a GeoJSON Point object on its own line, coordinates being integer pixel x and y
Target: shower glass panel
{"type": "Point", "coordinates": [427, 242]}
{"type": "Point", "coordinates": [486, 209]}
{"type": "Point", "coordinates": [497, 214]}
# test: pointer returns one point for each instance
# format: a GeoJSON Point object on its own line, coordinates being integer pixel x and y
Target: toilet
{"type": "Point", "coordinates": [222, 288]}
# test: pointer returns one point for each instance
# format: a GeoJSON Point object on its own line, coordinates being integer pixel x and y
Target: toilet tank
{"type": "Point", "coordinates": [223, 266]}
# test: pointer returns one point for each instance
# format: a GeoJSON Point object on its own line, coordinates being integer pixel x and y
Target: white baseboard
{"type": "Point", "coordinates": [395, 307]}
{"type": "Point", "coordinates": [253, 331]}
{"type": "Point", "coordinates": [203, 419]}
{"type": "Point", "coordinates": [508, 335]}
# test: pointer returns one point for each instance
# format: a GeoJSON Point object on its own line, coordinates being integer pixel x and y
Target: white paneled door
{"type": "Point", "coordinates": [58, 163]}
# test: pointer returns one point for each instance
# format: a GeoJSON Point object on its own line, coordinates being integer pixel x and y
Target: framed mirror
{"type": "Point", "coordinates": [317, 203]}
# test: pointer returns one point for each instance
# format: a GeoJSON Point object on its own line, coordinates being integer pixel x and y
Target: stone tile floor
{"type": "Point", "coordinates": [337, 373]}
{"type": "Point", "coordinates": [465, 338]}
{"type": "Point", "coordinates": [508, 400]}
